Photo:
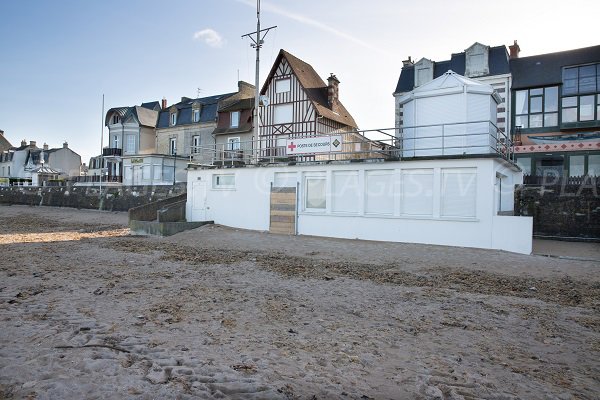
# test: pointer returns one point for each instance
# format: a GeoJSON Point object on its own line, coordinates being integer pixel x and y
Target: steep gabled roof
{"type": "Point", "coordinates": [4, 143]}
{"type": "Point", "coordinates": [314, 86]}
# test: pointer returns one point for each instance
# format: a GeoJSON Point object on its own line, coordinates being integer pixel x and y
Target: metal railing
{"type": "Point", "coordinates": [553, 180]}
{"type": "Point", "coordinates": [96, 178]}
{"type": "Point", "coordinates": [456, 139]}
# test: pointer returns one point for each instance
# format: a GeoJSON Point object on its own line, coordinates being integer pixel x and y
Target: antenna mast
{"type": "Point", "coordinates": [257, 43]}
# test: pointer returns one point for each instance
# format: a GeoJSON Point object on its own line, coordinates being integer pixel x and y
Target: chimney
{"type": "Point", "coordinates": [23, 142]}
{"type": "Point", "coordinates": [65, 145]}
{"type": "Point", "coordinates": [514, 50]}
{"type": "Point", "coordinates": [32, 143]}
{"type": "Point", "coordinates": [45, 146]}
{"type": "Point", "coordinates": [407, 63]}
{"type": "Point", "coordinates": [164, 103]}
{"type": "Point", "coordinates": [332, 90]}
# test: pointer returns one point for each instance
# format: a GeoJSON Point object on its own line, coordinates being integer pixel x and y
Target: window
{"type": "Point", "coordinates": [146, 172]}
{"type": "Point", "coordinates": [345, 192]}
{"type": "Point", "coordinates": [173, 146]}
{"type": "Point", "coordinates": [459, 191]}
{"type": "Point", "coordinates": [130, 143]}
{"type": "Point", "coordinates": [283, 114]}
{"type": "Point", "coordinates": [581, 79]}
{"type": "Point", "coordinates": [417, 192]}
{"type": "Point", "coordinates": [379, 192]}
{"type": "Point", "coordinates": [536, 108]}
{"type": "Point", "coordinates": [196, 144]}
{"type": "Point", "coordinates": [282, 85]}
{"type": "Point", "coordinates": [580, 108]}
{"type": "Point", "coordinates": [195, 116]}
{"type": "Point", "coordinates": [223, 181]}
{"type": "Point", "coordinates": [235, 119]}
{"type": "Point", "coordinates": [233, 143]}
{"type": "Point", "coordinates": [157, 172]}
{"type": "Point", "coordinates": [525, 164]}
{"type": "Point", "coordinates": [593, 165]}
{"type": "Point", "coordinates": [116, 141]}
{"type": "Point", "coordinates": [576, 165]}
{"type": "Point", "coordinates": [314, 196]}
{"type": "Point", "coordinates": [173, 118]}
{"type": "Point", "coordinates": [115, 119]}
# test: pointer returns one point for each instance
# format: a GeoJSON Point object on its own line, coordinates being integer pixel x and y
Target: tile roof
{"type": "Point", "coordinates": [315, 88]}
{"type": "Point", "coordinates": [4, 143]}
{"type": "Point", "coordinates": [546, 69]}
{"type": "Point", "coordinates": [497, 59]}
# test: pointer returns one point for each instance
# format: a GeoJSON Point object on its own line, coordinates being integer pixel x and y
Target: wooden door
{"type": "Point", "coordinates": [283, 210]}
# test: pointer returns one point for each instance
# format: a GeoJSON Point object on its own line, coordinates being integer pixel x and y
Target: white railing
{"type": "Point", "coordinates": [456, 139]}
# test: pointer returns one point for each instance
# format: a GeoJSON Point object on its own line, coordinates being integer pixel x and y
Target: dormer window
{"type": "Point", "coordinates": [196, 115]}
{"type": "Point", "coordinates": [476, 60]}
{"type": "Point", "coordinates": [235, 119]}
{"type": "Point", "coordinates": [173, 118]}
{"type": "Point", "coordinates": [115, 119]}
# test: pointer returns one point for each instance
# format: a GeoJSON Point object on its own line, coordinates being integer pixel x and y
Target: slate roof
{"type": "Point", "coordinates": [497, 58]}
{"type": "Point", "coordinates": [208, 110]}
{"type": "Point", "coordinates": [151, 105]}
{"type": "Point", "coordinates": [546, 69]}
{"type": "Point", "coordinates": [145, 114]}
{"type": "Point", "coordinates": [315, 88]}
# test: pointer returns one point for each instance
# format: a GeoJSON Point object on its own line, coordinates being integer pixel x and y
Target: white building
{"type": "Point", "coordinates": [449, 115]}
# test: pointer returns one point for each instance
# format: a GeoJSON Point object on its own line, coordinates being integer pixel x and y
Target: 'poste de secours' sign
{"type": "Point", "coordinates": [318, 144]}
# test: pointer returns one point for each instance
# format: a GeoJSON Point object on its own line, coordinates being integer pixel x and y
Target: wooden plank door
{"type": "Point", "coordinates": [283, 210]}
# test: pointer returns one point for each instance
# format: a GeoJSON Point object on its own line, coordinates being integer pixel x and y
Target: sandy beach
{"type": "Point", "coordinates": [89, 311]}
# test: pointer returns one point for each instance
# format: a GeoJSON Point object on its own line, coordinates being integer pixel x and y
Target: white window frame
{"type": "Point", "coordinates": [173, 118]}
{"type": "Point", "coordinates": [312, 177]}
{"type": "Point", "coordinates": [233, 143]}
{"type": "Point", "coordinates": [283, 113]}
{"type": "Point", "coordinates": [223, 181]}
{"type": "Point", "coordinates": [130, 143]}
{"type": "Point", "coordinates": [195, 115]}
{"type": "Point", "coordinates": [116, 141]}
{"type": "Point", "coordinates": [147, 172]}
{"type": "Point", "coordinates": [195, 144]}
{"type": "Point", "coordinates": [283, 85]}
{"type": "Point", "coordinates": [234, 119]}
{"type": "Point", "coordinates": [173, 146]}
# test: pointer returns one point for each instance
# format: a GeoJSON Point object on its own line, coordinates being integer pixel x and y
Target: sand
{"type": "Point", "coordinates": [89, 311]}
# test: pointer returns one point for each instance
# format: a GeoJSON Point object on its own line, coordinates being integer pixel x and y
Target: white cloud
{"type": "Point", "coordinates": [210, 37]}
{"type": "Point", "coordinates": [312, 22]}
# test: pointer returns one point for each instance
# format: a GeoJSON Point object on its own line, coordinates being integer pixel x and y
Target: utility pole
{"type": "Point", "coordinates": [257, 43]}
{"type": "Point", "coordinates": [102, 145]}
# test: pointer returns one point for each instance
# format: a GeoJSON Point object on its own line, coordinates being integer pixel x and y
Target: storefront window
{"type": "Point", "coordinates": [576, 165]}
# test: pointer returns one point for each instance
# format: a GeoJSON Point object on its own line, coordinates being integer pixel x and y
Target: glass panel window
{"type": "Point", "coordinates": [586, 108]}
{"type": "Point", "coordinates": [521, 104]}
{"type": "Point", "coordinates": [570, 79]}
{"type": "Point", "coordinates": [587, 79]}
{"type": "Point", "coordinates": [598, 106]}
{"type": "Point", "coordinates": [196, 144]}
{"type": "Point", "coordinates": [576, 165]}
{"type": "Point", "coordinates": [130, 146]}
{"type": "Point", "coordinates": [196, 117]}
{"type": "Point", "coordinates": [522, 121]}
{"type": "Point", "coordinates": [233, 143]}
{"type": "Point", "coordinates": [315, 193]}
{"type": "Point", "coordinates": [525, 164]}
{"type": "Point", "coordinates": [235, 119]}
{"type": "Point", "coordinates": [173, 118]}
{"type": "Point", "coordinates": [594, 165]}
{"type": "Point", "coordinates": [535, 121]}
{"type": "Point", "coordinates": [551, 119]}
{"type": "Point", "coordinates": [224, 181]}
{"type": "Point", "coordinates": [551, 99]}
{"type": "Point", "coordinates": [569, 115]}
{"type": "Point", "coordinates": [536, 92]}
{"type": "Point", "coordinates": [536, 104]}
{"type": "Point", "coordinates": [173, 146]}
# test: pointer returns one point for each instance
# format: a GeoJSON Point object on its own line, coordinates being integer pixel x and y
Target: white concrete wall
{"type": "Point", "coordinates": [246, 204]}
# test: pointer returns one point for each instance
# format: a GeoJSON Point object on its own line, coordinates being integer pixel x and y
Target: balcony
{"type": "Point", "coordinates": [112, 152]}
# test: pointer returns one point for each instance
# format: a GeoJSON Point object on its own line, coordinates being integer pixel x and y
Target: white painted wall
{"type": "Point", "coordinates": [352, 213]}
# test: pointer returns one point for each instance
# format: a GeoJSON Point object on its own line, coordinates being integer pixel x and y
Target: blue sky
{"type": "Point", "coordinates": [58, 57]}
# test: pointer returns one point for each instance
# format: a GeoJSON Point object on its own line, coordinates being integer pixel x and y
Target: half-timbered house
{"type": "Point", "coordinates": [302, 105]}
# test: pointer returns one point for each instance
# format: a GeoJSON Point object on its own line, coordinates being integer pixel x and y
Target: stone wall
{"type": "Point", "coordinates": [564, 211]}
{"type": "Point", "coordinates": [112, 198]}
